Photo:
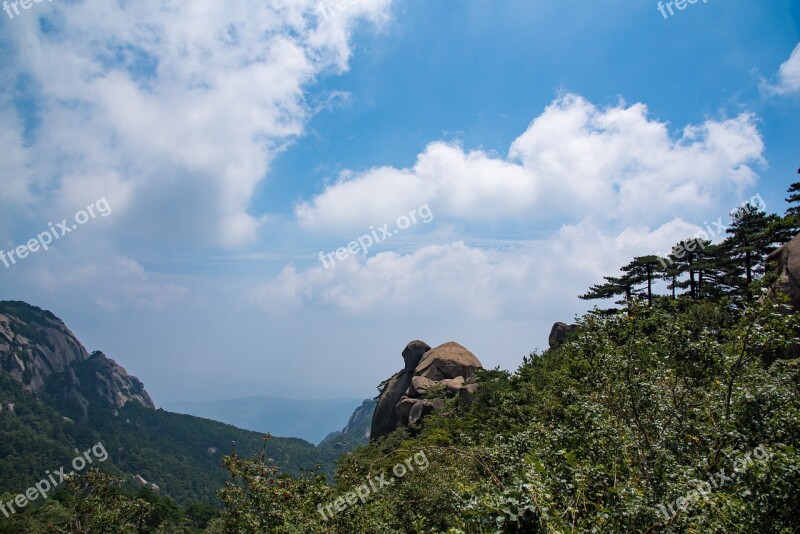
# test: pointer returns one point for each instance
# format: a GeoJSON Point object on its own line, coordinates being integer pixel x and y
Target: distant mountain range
{"type": "Point", "coordinates": [56, 397]}
{"type": "Point", "coordinates": [311, 420]}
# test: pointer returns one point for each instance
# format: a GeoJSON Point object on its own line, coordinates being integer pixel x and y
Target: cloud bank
{"type": "Point", "coordinates": [574, 160]}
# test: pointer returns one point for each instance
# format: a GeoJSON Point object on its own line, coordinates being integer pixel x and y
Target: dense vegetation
{"type": "Point", "coordinates": [672, 413]}
{"type": "Point", "coordinates": [614, 431]}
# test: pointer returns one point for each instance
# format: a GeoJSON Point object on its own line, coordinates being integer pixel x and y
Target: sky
{"type": "Point", "coordinates": [275, 197]}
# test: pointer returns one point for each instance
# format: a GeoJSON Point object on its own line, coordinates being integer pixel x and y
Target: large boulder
{"type": "Point", "coordinates": [413, 353]}
{"type": "Point", "coordinates": [560, 332]}
{"type": "Point", "coordinates": [450, 360]}
{"type": "Point", "coordinates": [403, 409]}
{"type": "Point", "coordinates": [453, 385]}
{"type": "Point", "coordinates": [401, 403]}
{"type": "Point", "coordinates": [386, 419]}
{"type": "Point", "coordinates": [419, 386]}
{"type": "Point", "coordinates": [788, 271]}
{"type": "Point", "coordinates": [465, 395]}
{"type": "Point", "coordinates": [423, 408]}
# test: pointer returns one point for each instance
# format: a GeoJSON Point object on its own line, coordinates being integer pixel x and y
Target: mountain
{"type": "Point", "coordinates": [358, 429]}
{"type": "Point", "coordinates": [310, 420]}
{"type": "Point", "coordinates": [56, 397]}
{"type": "Point", "coordinates": [40, 352]}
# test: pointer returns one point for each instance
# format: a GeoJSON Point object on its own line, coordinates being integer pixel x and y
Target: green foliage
{"type": "Point", "coordinates": [436, 392]}
{"type": "Point", "coordinates": [96, 502]}
{"type": "Point", "coordinates": [181, 453]}
{"type": "Point", "coordinates": [594, 436]}
{"type": "Point", "coordinates": [263, 499]}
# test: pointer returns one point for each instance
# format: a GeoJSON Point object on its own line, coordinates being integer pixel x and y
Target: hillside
{"type": "Point", "coordinates": [57, 397]}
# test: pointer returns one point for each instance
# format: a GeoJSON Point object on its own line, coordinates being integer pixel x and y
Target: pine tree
{"type": "Point", "coordinates": [670, 272]}
{"type": "Point", "coordinates": [643, 270]}
{"type": "Point", "coordinates": [712, 264]}
{"type": "Point", "coordinates": [789, 226]}
{"type": "Point", "coordinates": [611, 288]}
{"type": "Point", "coordinates": [794, 198]}
{"type": "Point", "coordinates": [752, 238]}
{"type": "Point", "coordinates": [685, 256]}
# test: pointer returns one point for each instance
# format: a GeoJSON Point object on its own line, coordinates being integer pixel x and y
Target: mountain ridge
{"type": "Point", "coordinates": [57, 397]}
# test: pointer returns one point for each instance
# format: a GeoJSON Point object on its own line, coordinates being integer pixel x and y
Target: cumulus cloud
{"type": "Point", "coordinates": [574, 160]}
{"type": "Point", "coordinates": [788, 76]}
{"type": "Point", "coordinates": [469, 280]}
{"type": "Point", "coordinates": [610, 184]}
{"type": "Point", "coordinates": [175, 108]}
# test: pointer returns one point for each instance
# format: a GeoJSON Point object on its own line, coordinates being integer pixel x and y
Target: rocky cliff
{"type": "Point", "coordinates": [787, 259]}
{"type": "Point", "coordinates": [359, 423]}
{"type": "Point", "coordinates": [560, 333]}
{"type": "Point", "coordinates": [39, 351]}
{"type": "Point", "coordinates": [357, 431]}
{"type": "Point", "coordinates": [448, 369]}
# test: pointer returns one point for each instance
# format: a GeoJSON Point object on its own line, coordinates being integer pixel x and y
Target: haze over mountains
{"type": "Point", "coordinates": [57, 397]}
{"type": "Point", "coordinates": [311, 420]}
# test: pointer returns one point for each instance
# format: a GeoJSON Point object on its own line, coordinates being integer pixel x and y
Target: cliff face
{"type": "Point", "coordinates": [39, 351]}
{"type": "Point", "coordinates": [361, 421]}
{"type": "Point", "coordinates": [356, 432]}
{"type": "Point", "coordinates": [788, 271]}
{"type": "Point", "coordinates": [403, 400]}
{"type": "Point", "coordinates": [34, 344]}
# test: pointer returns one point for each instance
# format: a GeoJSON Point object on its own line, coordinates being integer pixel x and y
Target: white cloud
{"type": "Point", "coordinates": [788, 75]}
{"type": "Point", "coordinates": [115, 283]}
{"type": "Point", "coordinates": [574, 160]}
{"type": "Point", "coordinates": [174, 108]}
{"type": "Point", "coordinates": [472, 282]}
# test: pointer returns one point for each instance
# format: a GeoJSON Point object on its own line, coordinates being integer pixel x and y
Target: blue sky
{"type": "Point", "coordinates": [552, 141]}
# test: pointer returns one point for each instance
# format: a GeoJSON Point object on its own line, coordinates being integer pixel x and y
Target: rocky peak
{"type": "Point", "coordinates": [34, 344]}
{"type": "Point", "coordinates": [560, 332]}
{"type": "Point", "coordinates": [449, 367]}
{"type": "Point", "coordinates": [39, 351]}
{"type": "Point", "coordinates": [787, 259]}
{"type": "Point", "coordinates": [413, 353]}
{"type": "Point", "coordinates": [115, 385]}
{"type": "Point", "coordinates": [787, 273]}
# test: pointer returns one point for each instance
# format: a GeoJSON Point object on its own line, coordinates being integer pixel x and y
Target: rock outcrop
{"type": "Point", "coordinates": [560, 332]}
{"type": "Point", "coordinates": [38, 350]}
{"type": "Point", "coordinates": [358, 424]}
{"type": "Point", "coordinates": [114, 385]}
{"type": "Point", "coordinates": [34, 344]}
{"type": "Point", "coordinates": [788, 271]}
{"type": "Point", "coordinates": [385, 419]}
{"type": "Point", "coordinates": [357, 431]}
{"type": "Point", "coordinates": [448, 369]}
